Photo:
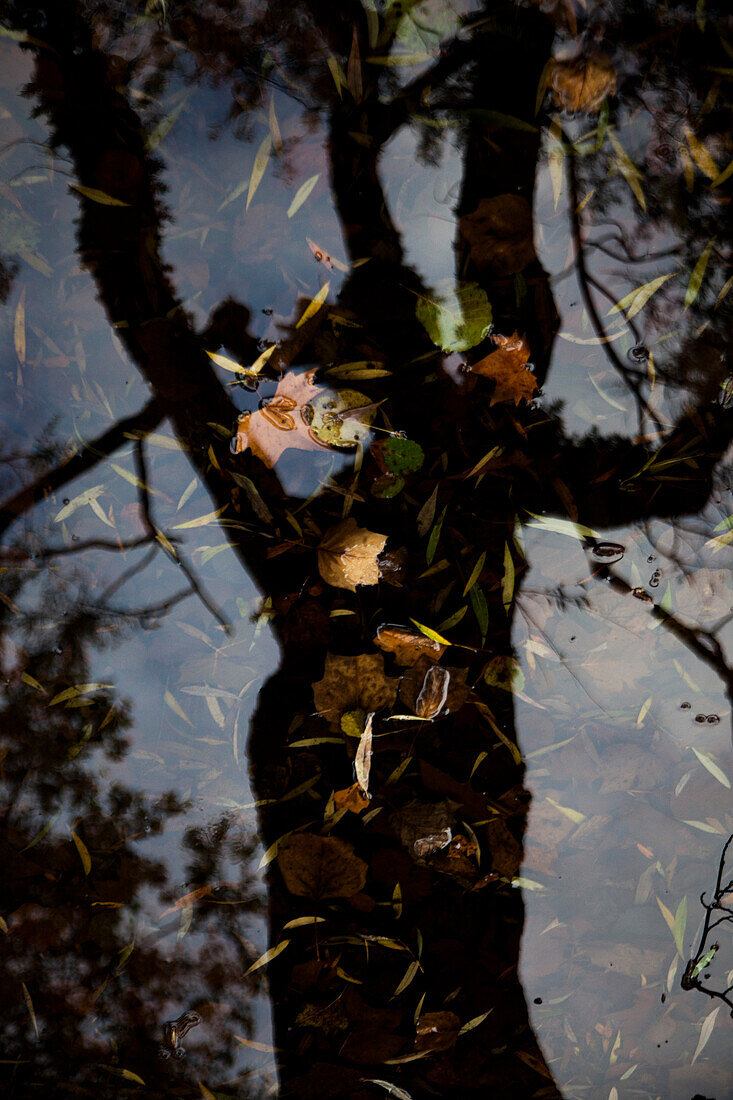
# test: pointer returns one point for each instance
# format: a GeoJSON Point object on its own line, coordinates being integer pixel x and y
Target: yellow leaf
{"type": "Point", "coordinates": [258, 169]}
{"type": "Point", "coordinates": [75, 692]}
{"type": "Point", "coordinates": [701, 156]}
{"type": "Point", "coordinates": [267, 957]}
{"type": "Point", "coordinates": [86, 859]}
{"type": "Point", "coordinates": [98, 196]}
{"type": "Point", "coordinates": [302, 194]}
{"type": "Point", "coordinates": [200, 521]}
{"type": "Point", "coordinates": [408, 977]}
{"type": "Point", "coordinates": [78, 502]}
{"type": "Point", "coordinates": [637, 299]}
{"type": "Point", "coordinates": [29, 1006]}
{"type": "Point", "coordinates": [698, 274]}
{"type": "Point", "coordinates": [20, 328]}
{"type": "Point", "coordinates": [347, 555]}
{"type": "Point", "coordinates": [315, 305]}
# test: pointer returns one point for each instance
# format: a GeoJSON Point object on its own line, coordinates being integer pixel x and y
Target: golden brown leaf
{"type": "Point", "coordinates": [353, 683]}
{"type": "Point", "coordinates": [437, 1031]}
{"type": "Point", "coordinates": [281, 424]}
{"type": "Point", "coordinates": [408, 646]}
{"type": "Point", "coordinates": [581, 85]}
{"type": "Point", "coordinates": [320, 867]}
{"type": "Point", "coordinates": [351, 798]}
{"type": "Point", "coordinates": [507, 367]}
{"type": "Point", "coordinates": [347, 556]}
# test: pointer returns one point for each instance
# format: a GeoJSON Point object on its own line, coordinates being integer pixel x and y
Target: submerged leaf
{"type": "Point", "coordinates": [457, 318]}
{"type": "Point", "coordinates": [507, 367]}
{"type": "Point", "coordinates": [347, 555]}
{"type": "Point", "coordinates": [320, 867]}
{"type": "Point", "coordinates": [581, 85]}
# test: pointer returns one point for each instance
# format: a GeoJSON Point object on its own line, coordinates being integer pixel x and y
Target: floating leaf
{"type": "Point", "coordinates": [507, 367]}
{"type": "Point", "coordinates": [98, 196]}
{"type": "Point", "coordinates": [705, 1032]}
{"type": "Point", "coordinates": [407, 645]}
{"type": "Point", "coordinates": [76, 691]}
{"type": "Point", "coordinates": [176, 707]}
{"type": "Point", "coordinates": [314, 305]}
{"type": "Point", "coordinates": [200, 521]}
{"type": "Point", "coordinates": [708, 762]}
{"type": "Point", "coordinates": [347, 555]}
{"type": "Point", "coordinates": [633, 302]}
{"type": "Point", "coordinates": [86, 859]}
{"type": "Point", "coordinates": [320, 867]}
{"type": "Point", "coordinates": [78, 502]}
{"type": "Point", "coordinates": [701, 156]}
{"type": "Point", "coordinates": [363, 760]}
{"type": "Point", "coordinates": [258, 168]}
{"type": "Point", "coordinates": [457, 318]}
{"type": "Point", "coordinates": [302, 194]}
{"type": "Point", "coordinates": [581, 85]}
{"type": "Point", "coordinates": [351, 688]}
{"type": "Point", "coordinates": [280, 425]}
{"type": "Point", "coordinates": [267, 957]}
{"type": "Point", "coordinates": [698, 274]}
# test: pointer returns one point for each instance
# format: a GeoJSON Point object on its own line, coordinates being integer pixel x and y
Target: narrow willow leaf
{"type": "Point", "coordinates": [507, 583]}
{"type": "Point", "coordinates": [408, 977]}
{"type": "Point", "coordinates": [712, 767]}
{"type": "Point", "coordinates": [628, 170]}
{"type": "Point", "coordinates": [426, 515]}
{"type": "Point", "coordinates": [701, 156]}
{"type": "Point", "coordinates": [19, 328]}
{"type": "Point", "coordinates": [267, 957]}
{"type": "Point", "coordinates": [643, 711]}
{"type": "Point", "coordinates": [29, 1006]}
{"type": "Point", "coordinates": [573, 815]}
{"type": "Point", "coordinates": [471, 1024]}
{"type": "Point", "coordinates": [475, 573]}
{"type": "Point", "coordinates": [78, 502]}
{"type": "Point", "coordinates": [225, 363]}
{"type": "Point", "coordinates": [562, 527]}
{"type": "Point", "coordinates": [431, 633]}
{"type": "Point", "coordinates": [632, 303]}
{"type": "Point", "coordinates": [185, 495]}
{"type": "Point", "coordinates": [698, 274]}
{"type": "Point", "coordinates": [258, 169]}
{"type": "Point", "coordinates": [206, 1093]}
{"type": "Point", "coordinates": [724, 176]}
{"type": "Point", "coordinates": [302, 922]}
{"type": "Point", "coordinates": [394, 1091]}
{"type": "Point", "coordinates": [302, 194]}
{"type": "Point", "coordinates": [680, 924]}
{"type": "Point", "coordinates": [200, 521]}
{"type": "Point", "coordinates": [86, 859]}
{"type": "Point", "coordinates": [705, 1032]}
{"type": "Point", "coordinates": [480, 610]}
{"type": "Point", "coordinates": [130, 1076]}
{"type": "Point", "coordinates": [176, 707]}
{"type": "Point", "coordinates": [76, 691]}
{"type": "Point", "coordinates": [275, 134]}
{"type": "Point", "coordinates": [314, 305]}
{"type": "Point", "coordinates": [97, 196]}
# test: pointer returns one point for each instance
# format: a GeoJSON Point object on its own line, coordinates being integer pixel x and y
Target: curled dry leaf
{"type": "Point", "coordinates": [353, 683]}
{"type": "Point", "coordinates": [581, 85]}
{"type": "Point", "coordinates": [351, 798]}
{"type": "Point", "coordinates": [437, 1031]}
{"type": "Point", "coordinates": [507, 366]}
{"type": "Point", "coordinates": [281, 423]}
{"type": "Point", "coordinates": [424, 828]}
{"type": "Point", "coordinates": [363, 761]}
{"type": "Point", "coordinates": [430, 690]}
{"type": "Point", "coordinates": [499, 234]}
{"type": "Point", "coordinates": [320, 867]}
{"type": "Point", "coordinates": [407, 645]}
{"type": "Point", "coordinates": [347, 556]}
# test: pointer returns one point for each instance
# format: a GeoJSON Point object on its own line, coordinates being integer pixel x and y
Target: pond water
{"type": "Point", "coordinates": [365, 575]}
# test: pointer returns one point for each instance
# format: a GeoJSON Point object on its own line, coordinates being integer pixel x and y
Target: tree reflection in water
{"type": "Point", "coordinates": [431, 942]}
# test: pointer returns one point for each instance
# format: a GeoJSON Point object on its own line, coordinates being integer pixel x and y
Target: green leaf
{"type": "Point", "coordinates": [402, 456]}
{"type": "Point", "coordinates": [457, 318]}
{"type": "Point", "coordinates": [433, 634]}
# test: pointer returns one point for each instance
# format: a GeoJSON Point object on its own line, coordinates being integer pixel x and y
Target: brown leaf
{"type": "Point", "coordinates": [581, 85]}
{"type": "Point", "coordinates": [281, 424]}
{"type": "Point", "coordinates": [351, 798]}
{"type": "Point", "coordinates": [507, 367]}
{"type": "Point", "coordinates": [424, 828]}
{"type": "Point", "coordinates": [408, 646]}
{"type": "Point", "coordinates": [353, 683]}
{"type": "Point", "coordinates": [348, 555]}
{"type": "Point", "coordinates": [437, 1031]}
{"type": "Point", "coordinates": [499, 234]}
{"type": "Point", "coordinates": [320, 867]}
{"type": "Point", "coordinates": [431, 690]}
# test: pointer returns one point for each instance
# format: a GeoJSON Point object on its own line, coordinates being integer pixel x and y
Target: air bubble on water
{"type": "Point", "coordinates": [638, 354]}
{"type": "Point", "coordinates": [651, 558]}
{"type": "Point", "coordinates": [701, 718]}
{"type": "Point", "coordinates": [685, 706]}
{"type": "Point", "coordinates": [655, 579]}
{"type": "Point", "coordinates": [66, 500]}
{"type": "Point", "coordinates": [713, 719]}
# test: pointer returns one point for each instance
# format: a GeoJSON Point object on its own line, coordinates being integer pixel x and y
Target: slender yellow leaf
{"type": "Point", "coordinates": [267, 957]}
{"type": "Point", "coordinates": [258, 169]}
{"type": "Point", "coordinates": [200, 521]}
{"type": "Point", "coordinates": [573, 815]}
{"type": "Point", "coordinates": [130, 1076]}
{"type": "Point", "coordinates": [698, 274]}
{"type": "Point", "coordinates": [701, 156]}
{"type": "Point", "coordinates": [20, 328]}
{"type": "Point", "coordinates": [708, 762]}
{"type": "Point", "coordinates": [724, 176]}
{"type": "Point", "coordinates": [301, 922]}
{"type": "Point", "coordinates": [225, 363]}
{"type": "Point", "coordinates": [275, 134]}
{"type": "Point", "coordinates": [315, 305]}
{"type": "Point", "coordinates": [475, 573]}
{"type": "Point", "coordinates": [86, 859]}
{"type": "Point", "coordinates": [76, 691]}
{"type": "Point", "coordinates": [643, 711]}
{"type": "Point", "coordinates": [302, 194]}
{"type": "Point", "coordinates": [29, 1006]}
{"type": "Point", "coordinates": [78, 502]}
{"type": "Point", "coordinates": [431, 633]}
{"type": "Point", "coordinates": [98, 196]}
{"type": "Point", "coordinates": [207, 1095]}
{"type": "Point", "coordinates": [507, 583]}
{"type": "Point", "coordinates": [632, 303]}
{"type": "Point", "coordinates": [408, 977]}
{"type": "Point", "coordinates": [471, 1024]}
{"type": "Point", "coordinates": [562, 527]}
{"type": "Point", "coordinates": [705, 1032]}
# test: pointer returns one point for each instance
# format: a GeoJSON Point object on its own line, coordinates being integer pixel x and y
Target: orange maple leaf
{"type": "Point", "coordinates": [507, 367]}
{"type": "Point", "coordinates": [281, 423]}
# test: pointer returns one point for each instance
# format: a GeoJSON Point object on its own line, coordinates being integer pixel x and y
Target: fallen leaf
{"type": "Point", "coordinates": [437, 1031]}
{"type": "Point", "coordinates": [499, 234]}
{"type": "Point", "coordinates": [347, 555]}
{"type": "Point", "coordinates": [407, 645]}
{"type": "Point", "coordinates": [430, 690]}
{"type": "Point", "coordinates": [457, 317]}
{"type": "Point", "coordinates": [581, 85]}
{"type": "Point", "coordinates": [507, 367]}
{"type": "Point", "coordinates": [351, 798]}
{"type": "Point", "coordinates": [353, 683]}
{"type": "Point", "coordinates": [320, 867]}
{"type": "Point", "coordinates": [281, 424]}
{"type": "Point", "coordinates": [424, 828]}
{"type": "Point", "coordinates": [363, 761]}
